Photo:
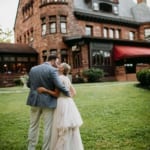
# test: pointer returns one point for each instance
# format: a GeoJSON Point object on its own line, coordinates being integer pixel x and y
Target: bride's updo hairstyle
{"type": "Point", "coordinates": [66, 68]}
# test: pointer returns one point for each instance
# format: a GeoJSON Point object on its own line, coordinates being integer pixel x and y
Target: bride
{"type": "Point", "coordinates": [67, 119]}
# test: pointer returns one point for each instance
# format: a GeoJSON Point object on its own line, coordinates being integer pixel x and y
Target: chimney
{"type": "Point", "coordinates": [141, 1]}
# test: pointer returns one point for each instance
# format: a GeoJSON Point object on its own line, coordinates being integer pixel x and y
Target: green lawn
{"type": "Point", "coordinates": [116, 117]}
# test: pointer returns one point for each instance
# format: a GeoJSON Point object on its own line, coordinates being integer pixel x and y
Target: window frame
{"type": "Point", "coordinates": [52, 24]}
{"type": "Point", "coordinates": [63, 21]}
{"type": "Point", "coordinates": [88, 30]}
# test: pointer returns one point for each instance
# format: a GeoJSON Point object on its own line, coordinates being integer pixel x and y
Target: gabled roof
{"type": "Point", "coordinates": [16, 48]}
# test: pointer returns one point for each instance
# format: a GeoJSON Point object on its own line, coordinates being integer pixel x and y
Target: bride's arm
{"type": "Point", "coordinates": [50, 92]}
{"type": "Point", "coordinates": [72, 91]}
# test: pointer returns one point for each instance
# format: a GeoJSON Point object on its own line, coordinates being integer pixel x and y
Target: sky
{"type": "Point", "coordinates": [8, 9]}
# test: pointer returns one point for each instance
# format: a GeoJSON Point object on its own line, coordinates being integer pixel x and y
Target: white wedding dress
{"type": "Point", "coordinates": [66, 123]}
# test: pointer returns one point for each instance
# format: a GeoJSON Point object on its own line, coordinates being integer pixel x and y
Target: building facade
{"type": "Point", "coordinates": [113, 35]}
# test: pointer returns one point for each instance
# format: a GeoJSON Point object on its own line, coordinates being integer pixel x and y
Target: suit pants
{"type": "Point", "coordinates": [36, 114]}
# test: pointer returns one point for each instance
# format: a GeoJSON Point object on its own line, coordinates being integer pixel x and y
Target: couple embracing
{"type": "Point", "coordinates": [50, 97]}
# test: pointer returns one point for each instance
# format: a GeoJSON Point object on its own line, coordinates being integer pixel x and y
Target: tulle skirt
{"type": "Point", "coordinates": [66, 123]}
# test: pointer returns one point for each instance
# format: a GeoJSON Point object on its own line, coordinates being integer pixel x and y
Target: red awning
{"type": "Point", "coordinates": [121, 52]}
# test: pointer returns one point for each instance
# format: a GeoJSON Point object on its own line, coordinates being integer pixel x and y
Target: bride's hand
{"type": "Point", "coordinates": [41, 90]}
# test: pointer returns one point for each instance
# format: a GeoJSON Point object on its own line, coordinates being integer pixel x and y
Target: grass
{"type": "Point", "coordinates": [116, 117]}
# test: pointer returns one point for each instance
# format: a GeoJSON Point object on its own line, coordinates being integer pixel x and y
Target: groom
{"type": "Point", "coordinates": [45, 75]}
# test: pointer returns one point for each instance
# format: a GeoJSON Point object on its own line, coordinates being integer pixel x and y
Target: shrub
{"type": "Point", "coordinates": [143, 76]}
{"type": "Point", "coordinates": [93, 74]}
{"type": "Point", "coordinates": [148, 77]}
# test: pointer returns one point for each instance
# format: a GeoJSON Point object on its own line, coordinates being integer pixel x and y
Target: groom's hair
{"type": "Point", "coordinates": [52, 57]}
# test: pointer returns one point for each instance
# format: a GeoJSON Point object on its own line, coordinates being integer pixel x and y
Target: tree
{"type": "Point", "coordinates": [6, 36]}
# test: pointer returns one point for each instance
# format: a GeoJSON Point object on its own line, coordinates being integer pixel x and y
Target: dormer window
{"type": "Point", "coordinates": [105, 7]}
{"type": "Point", "coordinates": [95, 6]}
{"type": "Point", "coordinates": [115, 10]}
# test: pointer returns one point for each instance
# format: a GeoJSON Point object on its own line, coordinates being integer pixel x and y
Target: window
{"type": "Point", "coordinates": [105, 32]}
{"type": "Point", "coordinates": [111, 33]}
{"type": "Point", "coordinates": [147, 34]}
{"type": "Point", "coordinates": [97, 58]}
{"type": "Point", "coordinates": [105, 7]}
{"type": "Point", "coordinates": [43, 29]}
{"type": "Point", "coordinates": [107, 58]}
{"type": "Point", "coordinates": [53, 52]}
{"type": "Point", "coordinates": [131, 35]}
{"type": "Point", "coordinates": [101, 58]}
{"type": "Point", "coordinates": [24, 38]}
{"type": "Point", "coordinates": [63, 24]}
{"type": "Point", "coordinates": [115, 10]}
{"type": "Point", "coordinates": [52, 1]}
{"type": "Point", "coordinates": [27, 10]}
{"type": "Point", "coordinates": [9, 59]}
{"type": "Point", "coordinates": [52, 24]}
{"type": "Point", "coordinates": [76, 56]}
{"type": "Point", "coordinates": [77, 59]}
{"type": "Point", "coordinates": [44, 55]}
{"type": "Point", "coordinates": [43, 20]}
{"type": "Point", "coordinates": [64, 55]}
{"type": "Point", "coordinates": [43, 1]}
{"type": "Point", "coordinates": [28, 37]}
{"type": "Point", "coordinates": [95, 6]}
{"type": "Point", "coordinates": [31, 35]}
{"type": "Point", "coordinates": [22, 59]}
{"type": "Point", "coordinates": [52, 27]}
{"type": "Point", "coordinates": [117, 33]}
{"type": "Point", "coordinates": [88, 30]}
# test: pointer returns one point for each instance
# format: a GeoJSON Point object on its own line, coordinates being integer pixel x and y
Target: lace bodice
{"type": "Point", "coordinates": [66, 82]}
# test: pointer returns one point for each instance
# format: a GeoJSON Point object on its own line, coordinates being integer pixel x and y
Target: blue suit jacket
{"type": "Point", "coordinates": [46, 76]}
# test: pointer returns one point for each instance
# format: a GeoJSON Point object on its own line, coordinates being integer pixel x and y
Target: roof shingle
{"type": "Point", "coordinates": [16, 48]}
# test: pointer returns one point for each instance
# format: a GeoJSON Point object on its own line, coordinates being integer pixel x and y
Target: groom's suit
{"type": "Point", "coordinates": [43, 75]}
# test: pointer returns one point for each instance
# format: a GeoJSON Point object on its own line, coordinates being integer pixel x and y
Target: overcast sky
{"type": "Point", "coordinates": [8, 10]}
